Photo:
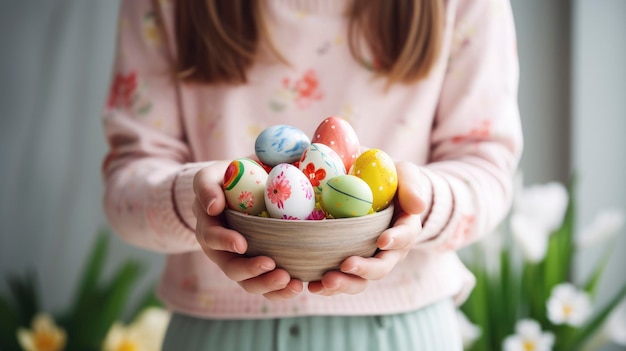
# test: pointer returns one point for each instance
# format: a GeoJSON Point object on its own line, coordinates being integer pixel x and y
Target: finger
{"type": "Point", "coordinates": [293, 289]}
{"type": "Point", "coordinates": [216, 237]}
{"type": "Point", "coordinates": [240, 268]}
{"type": "Point", "coordinates": [409, 184]}
{"type": "Point", "coordinates": [404, 233]}
{"type": "Point", "coordinates": [274, 280]}
{"type": "Point", "coordinates": [208, 189]}
{"type": "Point", "coordinates": [373, 268]}
{"type": "Point", "coordinates": [335, 282]}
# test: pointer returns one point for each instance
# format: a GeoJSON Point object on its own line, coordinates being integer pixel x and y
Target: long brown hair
{"type": "Point", "coordinates": [217, 40]}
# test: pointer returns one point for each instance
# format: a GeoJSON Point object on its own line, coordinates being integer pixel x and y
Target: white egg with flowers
{"type": "Point", "coordinates": [288, 193]}
{"type": "Point", "coordinates": [320, 163]}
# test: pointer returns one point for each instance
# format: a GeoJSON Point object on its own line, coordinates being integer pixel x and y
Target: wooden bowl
{"type": "Point", "coordinates": [309, 248]}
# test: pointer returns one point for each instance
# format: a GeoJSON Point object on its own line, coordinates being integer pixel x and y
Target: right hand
{"type": "Point", "coordinates": [225, 247]}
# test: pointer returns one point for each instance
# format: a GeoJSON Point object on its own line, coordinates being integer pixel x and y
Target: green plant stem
{"type": "Point", "coordinates": [594, 279]}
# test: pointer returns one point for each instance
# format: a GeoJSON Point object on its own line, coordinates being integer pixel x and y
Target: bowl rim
{"type": "Point", "coordinates": [346, 220]}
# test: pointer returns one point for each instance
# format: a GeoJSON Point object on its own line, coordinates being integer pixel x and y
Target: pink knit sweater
{"type": "Point", "coordinates": [460, 125]}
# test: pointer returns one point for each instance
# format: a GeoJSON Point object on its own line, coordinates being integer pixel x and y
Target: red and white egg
{"type": "Point", "coordinates": [338, 134]}
{"type": "Point", "coordinates": [320, 163]}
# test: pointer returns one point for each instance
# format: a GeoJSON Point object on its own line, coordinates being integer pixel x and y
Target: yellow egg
{"type": "Point", "coordinates": [378, 170]}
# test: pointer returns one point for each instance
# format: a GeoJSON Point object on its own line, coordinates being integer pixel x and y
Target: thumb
{"type": "Point", "coordinates": [207, 185]}
{"type": "Point", "coordinates": [409, 186]}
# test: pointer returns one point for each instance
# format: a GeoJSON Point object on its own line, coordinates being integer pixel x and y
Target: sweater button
{"type": "Point", "coordinates": [294, 330]}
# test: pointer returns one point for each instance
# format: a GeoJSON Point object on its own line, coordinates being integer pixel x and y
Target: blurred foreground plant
{"type": "Point", "coordinates": [99, 304]}
{"type": "Point", "coordinates": [525, 296]}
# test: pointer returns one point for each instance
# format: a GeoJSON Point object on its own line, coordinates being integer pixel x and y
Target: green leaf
{"type": "Point", "coordinates": [596, 322]}
{"type": "Point", "coordinates": [561, 250]}
{"type": "Point", "coordinates": [594, 279]}
{"type": "Point", "coordinates": [99, 304]}
{"type": "Point", "coordinates": [8, 325]}
{"type": "Point", "coordinates": [92, 273]}
{"type": "Point", "coordinates": [511, 291]}
{"type": "Point", "coordinates": [116, 297]}
{"type": "Point", "coordinates": [25, 294]}
{"type": "Point", "coordinates": [476, 307]}
{"type": "Point", "coordinates": [533, 292]}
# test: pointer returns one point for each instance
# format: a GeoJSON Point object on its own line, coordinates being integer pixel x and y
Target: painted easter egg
{"type": "Point", "coordinates": [288, 193]}
{"type": "Point", "coordinates": [244, 186]}
{"type": "Point", "coordinates": [280, 144]}
{"type": "Point", "coordinates": [346, 196]}
{"type": "Point", "coordinates": [320, 163]}
{"type": "Point", "coordinates": [378, 170]}
{"type": "Point", "coordinates": [339, 135]}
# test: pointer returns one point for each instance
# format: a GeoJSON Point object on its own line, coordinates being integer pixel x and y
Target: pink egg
{"type": "Point", "coordinates": [336, 133]}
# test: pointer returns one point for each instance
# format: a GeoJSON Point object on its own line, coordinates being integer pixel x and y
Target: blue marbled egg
{"type": "Point", "coordinates": [280, 144]}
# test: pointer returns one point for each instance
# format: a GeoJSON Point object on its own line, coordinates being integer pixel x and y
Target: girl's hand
{"type": "Point", "coordinates": [394, 243]}
{"type": "Point", "coordinates": [225, 247]}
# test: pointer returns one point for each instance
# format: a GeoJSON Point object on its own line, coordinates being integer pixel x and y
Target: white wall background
{"type": "Point", "coordinates": [55, 57]}
{"type": "Point", "coordinates": [54, 70]}
{"type": "Point", "coordinates": [599, 121]}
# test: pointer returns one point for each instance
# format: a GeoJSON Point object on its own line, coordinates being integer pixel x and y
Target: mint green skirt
{"type": "Point", "coordinates": [432, 328]}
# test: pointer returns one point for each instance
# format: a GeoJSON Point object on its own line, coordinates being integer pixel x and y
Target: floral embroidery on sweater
{"type": "Point", "coordinates": [483, 131]}
{"type": "Point", "coordinates": [150, 29]}
{"type": "Point", "coordinates": [459, 235]}
{"type": "Point", "coordinates": [302, 91]}
{"type": "Point", "coordinates": [126, 93]}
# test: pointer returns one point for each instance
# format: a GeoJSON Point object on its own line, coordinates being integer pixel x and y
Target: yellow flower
{"type": "Point", "coordinates": [45, 335]}
{"type": "Point", "coordinates": [145, 333]}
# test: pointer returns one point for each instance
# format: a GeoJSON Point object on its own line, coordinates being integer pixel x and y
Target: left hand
{"type": "Point", "coordinates": [394, 243]}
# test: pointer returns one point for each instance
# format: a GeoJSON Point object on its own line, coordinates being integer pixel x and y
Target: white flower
{"type": "Point", "coordinates": [469, 332]}
{"type": "Point", "coordinates": [528, 337]}
{"type": "Point", "coordinates": [605, 225]}
{"type": "Point", "coordinates": [145, 333]}
{"type": "Point", "coordinates": [530, 236]}
{"type": "Point", "coordinates": [537, 212]}
{"type": "Point", "coordinates": [545, 203]}
{"type": "Point", "coordinates": [45, 335]}
{"type": "Point", "coordinates": [568, 305]}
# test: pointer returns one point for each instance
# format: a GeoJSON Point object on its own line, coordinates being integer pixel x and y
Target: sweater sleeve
{"type": "Point", "coordinates": [477, 136]}
{"type": "Point", "coordinates": [147, 171]}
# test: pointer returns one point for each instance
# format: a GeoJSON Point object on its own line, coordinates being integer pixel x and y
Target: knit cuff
{"type": "Point", "coordinates": [183, 194]}
{"type": "Point", "coordinates": [439, 205]}
{"type": "Point", "coordinates": [452, 208]}
{"type": "Point", "coordinates": [171, 234]}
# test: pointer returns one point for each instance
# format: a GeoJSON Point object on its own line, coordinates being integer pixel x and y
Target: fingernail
{"type": "Point", "coordinates": [296, 291]}
{"type": "Point", "coordinates": [211, 202]}
{"type": "Point", "coordinates": [352, 270]}
{"type": "Point", "coordinates": [265, 268]}
{"type": "Point", "coordinates": [281, 283]}
{"type": "Point", "coordinates": [237, 249]}
{"type": "Point", "coordinates": [389, 244]}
